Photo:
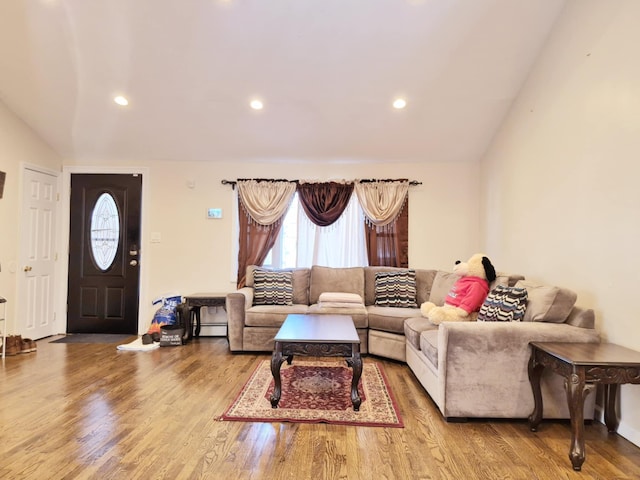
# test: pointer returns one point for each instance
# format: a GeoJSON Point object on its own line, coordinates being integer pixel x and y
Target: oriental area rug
{"type": "Point", "coordinates": [315, 391]}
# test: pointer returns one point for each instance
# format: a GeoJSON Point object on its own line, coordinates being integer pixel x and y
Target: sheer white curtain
{"type": "Point", "coordinates": [342, 244]}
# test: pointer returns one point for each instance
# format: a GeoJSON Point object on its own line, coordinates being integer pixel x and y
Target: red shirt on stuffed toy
{"type": "Point", "coordinates": [468, 293]}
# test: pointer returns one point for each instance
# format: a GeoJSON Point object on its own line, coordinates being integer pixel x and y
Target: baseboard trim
{"type": "Point", "coordinates": [213, 330]}
{"type": "Point", "coordinates": [624, 430]}
{"type": "Point", "coordinates": [629, 433]}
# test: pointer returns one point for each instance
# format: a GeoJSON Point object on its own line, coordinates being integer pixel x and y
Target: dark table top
{"type": "Point", "coordinates": [206, 295]}
{"type": "Point", "coordinates": [591, 353]}
{"type": "Point", "coordinates": [318, 329]}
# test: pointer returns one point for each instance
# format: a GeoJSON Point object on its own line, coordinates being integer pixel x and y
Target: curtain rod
{"type": "Point", "coordinates": [371, 180]}
{"type": "Point", "coordinates": [365, 180]}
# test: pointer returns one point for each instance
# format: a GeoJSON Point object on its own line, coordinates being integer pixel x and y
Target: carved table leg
{"type": "Point", "coordinates": [611, 418]}
{"type": "Point", "coordinates": [276, 363]}
{"type": "Point", "coordinates": [577, 391]}
{"type": "Point", "coordinates": [535, 372]}
{"type": "Point", "coordinates": [198, 320]}
{"type": "Point", "coordinates": [356, 364]}
{"type": "Point", "coordinates": [185, 319]}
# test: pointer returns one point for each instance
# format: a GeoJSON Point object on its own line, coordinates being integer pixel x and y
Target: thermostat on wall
{"type": "Point", "coordinates": [214, 213]}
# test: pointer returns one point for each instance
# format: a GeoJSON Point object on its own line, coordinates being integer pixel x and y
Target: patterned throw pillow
{"type": "Point", "coordinates": [272, 288]}
{"type": "Point", "coordinates": [396, 289]}
{"type": "Point", "coordinates": [504, 304]}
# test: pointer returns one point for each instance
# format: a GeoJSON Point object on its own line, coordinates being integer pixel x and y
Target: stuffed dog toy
{"type": "Point", "coordinates": [467, 294]}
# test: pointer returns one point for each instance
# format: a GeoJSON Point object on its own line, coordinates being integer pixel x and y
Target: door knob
{"type": "Point", "coordinates": [27, 268]}
{"type": "Point", "coordinates": [133, 263]}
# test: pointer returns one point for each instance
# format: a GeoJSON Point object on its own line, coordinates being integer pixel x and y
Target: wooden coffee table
{"type": "Point", "coordinates": [583, 365]}
{"type": "Point", "coordinates": [317, 336]}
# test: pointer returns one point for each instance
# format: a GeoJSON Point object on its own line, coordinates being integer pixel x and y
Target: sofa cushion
{"type": "Point", "coordinates": [272, 287]}
{"type": "Point", "coordinates": [547, 303]}
{"type": "Point", "coordinates": [424, 282]}
{"type": "Point", "coordinates": [442, 284]}
{"type": "Point", "coordinates": [396, 289]}
{"type": "Point", "coordinates": [300, 280]}
{"type": "Point", "coordinates": [390, 319]}
{"type": "Point", "coordinates": [413, 328]}
{"type": "Point", "coordinates": [504, 304]}
{"type": "Point", "coordinates": [429, 345]}
{"type": "Point", "coordinates": [582, 317]}
{"type": "Point", "coordinates": [506, 279]}
{"type": "Point", "coordinates": [271, 315]}
{"type": "Point", "coordinates": [329, 279]}
{"type": "Point", "coordinates": [301, 285]}
{"type": "Point", "coordinates": [357, 312]}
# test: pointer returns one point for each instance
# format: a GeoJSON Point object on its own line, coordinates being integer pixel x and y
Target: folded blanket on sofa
{"type": "Point", "coordinates": [339, 305]}
{"type": "Point", "coordinates": [341, 299]}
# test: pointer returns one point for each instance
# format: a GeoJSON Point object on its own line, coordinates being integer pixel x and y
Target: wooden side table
{"type": "Point", "coordinates": [583, 365]}
{"type": "Point", "coordinates": [194, 302]}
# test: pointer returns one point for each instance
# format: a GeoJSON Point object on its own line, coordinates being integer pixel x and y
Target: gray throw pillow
{"type": "Point", "coordinates": [442, 284]}
{"type": "Point", "coordinates": [547, 303]}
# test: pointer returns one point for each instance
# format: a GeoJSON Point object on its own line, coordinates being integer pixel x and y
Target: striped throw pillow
{"type": "Point", "coordinates": [396, 289]}
{"type": "Point", "coordinates": [504, 304]}
{"type": "Point", "coordinates": [272, 288]}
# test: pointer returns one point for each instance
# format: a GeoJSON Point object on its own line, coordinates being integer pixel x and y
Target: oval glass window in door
{"type": "Point", "coordinates": [105, 231]}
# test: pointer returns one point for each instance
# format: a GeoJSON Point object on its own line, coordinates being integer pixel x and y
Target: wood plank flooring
{"type": "Point", "coordinates": [85, 411]}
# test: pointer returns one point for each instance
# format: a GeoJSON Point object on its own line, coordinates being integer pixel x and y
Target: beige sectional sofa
{"type": "Point", "coordinates": [470, 369]}
{"type": "Point", "coordinates": [381, 329]}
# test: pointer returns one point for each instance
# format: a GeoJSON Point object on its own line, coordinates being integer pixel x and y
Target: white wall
{"type": "Point", "coordinates": [18, 145]}
{"type": "Point", "coordinates": [195, 253]}
{"type": "Point", "coordinates": [561, 178]}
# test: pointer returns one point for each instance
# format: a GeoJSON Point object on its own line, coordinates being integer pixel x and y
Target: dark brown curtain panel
{"type": "Point", "coordinates": [388, 246]}
{"type": "Point", "coordinates": [324, 202]}
{"type": "Point", "coordinates": [255, 243]}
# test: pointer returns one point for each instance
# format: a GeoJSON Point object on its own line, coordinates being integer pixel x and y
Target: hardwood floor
{"type": "Point", "coordinates": [77, 411]}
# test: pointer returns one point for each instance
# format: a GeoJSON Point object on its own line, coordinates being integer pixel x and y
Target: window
{"type": "Point", "coordinates": [301, 243]}
{"type": "Point", "coordinates": [105, 231]}
{"type": "Point", "coordinates": [283, 253]}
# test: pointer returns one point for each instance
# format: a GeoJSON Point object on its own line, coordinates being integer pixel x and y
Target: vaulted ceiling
{"type": "Point", "coordinates": [327, 72]}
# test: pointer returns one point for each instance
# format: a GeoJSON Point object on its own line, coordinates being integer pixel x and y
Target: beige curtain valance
{"type": "Point", "coordinates": [382, 201]}
{"type": "Point", "coordinates": [265, 202]}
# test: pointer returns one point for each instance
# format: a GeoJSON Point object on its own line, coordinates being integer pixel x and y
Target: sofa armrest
{"type": "Point", "coordinates": [237, 303]}
{"type": "Point", "coordinates": [480, 362]}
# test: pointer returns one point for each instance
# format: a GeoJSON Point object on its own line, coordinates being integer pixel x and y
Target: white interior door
{"type": "Point", "coordinates": [35, 312]}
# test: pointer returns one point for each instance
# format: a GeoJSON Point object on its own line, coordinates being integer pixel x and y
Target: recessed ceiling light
{"type": "Point", "coordinates": [256, 104]}
{"type": "Point", "coordinates": [399, 103]}
{"type": "Point", "coordinates": [120, 100]}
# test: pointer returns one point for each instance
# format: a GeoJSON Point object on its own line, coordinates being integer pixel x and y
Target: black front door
{"type": "Point", "coordinates": [104, 245]}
